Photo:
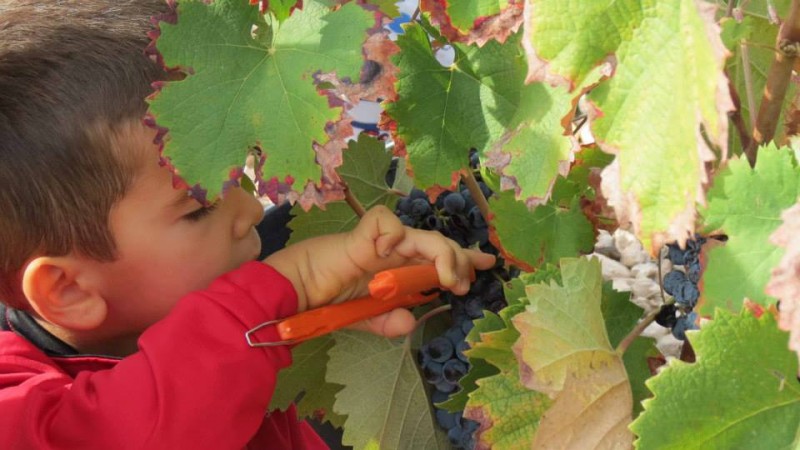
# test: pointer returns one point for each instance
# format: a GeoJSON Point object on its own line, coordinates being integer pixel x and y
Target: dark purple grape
{"type": "Point", "coordinates": [474, 159]}
{"type": "Point", "coordinates": [687, 294]}
{"type": "Point", "coordinates": [440, 349]}
{"type": "Point", "coordinates": [417, 193]}
{"type": "Point", "coordinates": [460, 349]}
{"type": "Point", "coordinates": [497, 305]}
{"type": "Point", "coordinates": [467, 326]}
{"type": "Point", "coordinates": [673, 281]}
{"type": "Point", "coordinates": [468, 201]}
{"type": "Point", "coordinates": [474, 307]}
{"type": "Point", "coordinates": [476, 218]}
{"type": "Point", "coordinates": [666, 316]}
{"type": "Point", "coordinates": [407, 220]}
{"type": "Point", "coordinates": [446, 419]}
{"type": "Point", "coordinates": [693, 271]}
{"type": "Point", "coordinates": [453, 370]}
{"type": "Point", "coordinates": [454, 203]}
{"type": "Point", "coordinates": [454, 435]}
{"type": "Point", "coordinates": [454, 335]}
{"type": "Point", "coordinates": [684, 324]}
{"type": "Point", "coordinates": [485, 190]}
{"type": "Point", "coordinates": [404, 205]}
{"type": "Point", "coordinates": [433, 372]}
{"type": "Point", "coordinates": [439, 397]}
{"type": "Point", "coordinates": [420, 208]}
{"type": "Point", "coordinates": [675, 254]}
{"type": "Point", "coordinates": [446, 386]}
{"type": "Point", "coordinates": [434, 222]}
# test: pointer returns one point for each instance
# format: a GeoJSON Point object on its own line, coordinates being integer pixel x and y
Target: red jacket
{"type": "Point", "coordinates": [193, 384]}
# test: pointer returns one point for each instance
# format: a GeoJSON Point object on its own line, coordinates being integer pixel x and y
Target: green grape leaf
{"type": "Point", "coordinates": [248, 88]}
{"type": "Point", "coordinates": [443, 112]}
{"type": "Point", "coordinates": [652, 108]}
{"type": "Point", "coordinates": [741, 393]}
{"type": "Point", "coordinates": [619, 313]}
{"type": "Point", "coordinates": [638, 370]}
{"type": "Point", "coordinates": [589, 161]}
{"type": "Point", "coordinates": [746, 204]}
{"type": "Point", "coordinates": [564, 351]}
{"type": "Point", "coordinates": [544, 235]}
{"type": "Point", "coordinates": [621, 316]}
{"type": "Point", "coordinates": [282, 8]}
{"type": "Point", "coordinates": [307, 375]}
{"type": "Point", "coordinates": [531, 155]}
{"type": "Point", "coordinates": [463, 14]}
{"type": "Point", "coordinates": [373, 368]}
{"type": "Point", "coordinates": [364, 170]}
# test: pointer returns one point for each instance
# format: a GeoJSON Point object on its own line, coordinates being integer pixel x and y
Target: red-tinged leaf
{"type": "Point", "coordinates": [378, 76]}
{"type": "Point", "coordinates": [475, 21]}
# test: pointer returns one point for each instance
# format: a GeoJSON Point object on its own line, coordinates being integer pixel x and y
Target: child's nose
{"type": "Point", "coordinates": [249, 213]}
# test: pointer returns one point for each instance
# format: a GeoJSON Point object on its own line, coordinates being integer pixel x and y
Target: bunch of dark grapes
{"type": "Point", "coordinates": [682, 286]}
{"type": "Point", "coordinates": [442, 360]}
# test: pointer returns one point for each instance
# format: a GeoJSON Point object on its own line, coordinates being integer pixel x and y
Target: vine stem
{"type": "Point", "coordinates": [424, 318]}
{"type": "Point", "coordinates": [780, 72]}
{"type": "Point", "coordinates": [475, 192]}
{"type": "Point", "coordinates": [353, 202]}
{"type": "Point", "coordinates": [636, 332]}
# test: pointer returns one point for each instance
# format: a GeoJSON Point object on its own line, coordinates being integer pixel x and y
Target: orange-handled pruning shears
{"type": "Point", "coordinates": [390, 289]}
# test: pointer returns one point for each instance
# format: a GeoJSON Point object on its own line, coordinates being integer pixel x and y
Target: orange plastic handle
{"type": "Point", "coordinates": [390, 289]}
{"type": "Point", "coordinates": [317, 322]}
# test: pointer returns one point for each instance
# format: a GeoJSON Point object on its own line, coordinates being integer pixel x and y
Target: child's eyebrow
{"type": "Point", "coordinates": [180, 199]}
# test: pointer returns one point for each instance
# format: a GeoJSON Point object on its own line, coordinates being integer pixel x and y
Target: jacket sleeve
{"type": "Point", "coordinates": [194, 383]}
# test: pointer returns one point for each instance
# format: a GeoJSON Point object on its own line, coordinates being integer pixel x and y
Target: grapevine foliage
{"type": "Point", "coordinates": [746, 204]}
{"type": "Point", "coordinates": [571, 117]}
{"type": "Point", "coordinates": [744, 377]}
{"type": "Point", "coordinates": [253, 87]}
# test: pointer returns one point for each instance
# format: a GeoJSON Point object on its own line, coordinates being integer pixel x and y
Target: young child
{"type": "Point", "coordinates": [127, 302]}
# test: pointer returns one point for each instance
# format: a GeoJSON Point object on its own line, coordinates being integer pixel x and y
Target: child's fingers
{"type": "Point", "coordinates": [394, 323]}
{"type": "Point", "coordinates": [381, 226]}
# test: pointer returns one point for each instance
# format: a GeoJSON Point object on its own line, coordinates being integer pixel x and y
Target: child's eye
{"type": "Point", "coordinates": [200, 213]}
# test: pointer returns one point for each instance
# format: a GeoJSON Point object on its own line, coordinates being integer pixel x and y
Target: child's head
{"type": "Point", "coordinates": [88, 215]}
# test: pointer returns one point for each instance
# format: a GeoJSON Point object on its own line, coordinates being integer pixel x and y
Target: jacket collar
{"type": "Point", "coordinates": [21, 323]}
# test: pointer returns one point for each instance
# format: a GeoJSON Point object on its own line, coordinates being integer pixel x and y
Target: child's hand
{"type": "Point", "coordinates": [338, 267]}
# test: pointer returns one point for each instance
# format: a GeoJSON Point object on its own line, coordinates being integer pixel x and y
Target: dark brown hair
{"type": "Point", "coordinates": [72, 73]}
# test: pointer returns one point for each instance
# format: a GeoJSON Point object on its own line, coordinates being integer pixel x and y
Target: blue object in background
{"type": "Point", "coordinates": [395, 25]}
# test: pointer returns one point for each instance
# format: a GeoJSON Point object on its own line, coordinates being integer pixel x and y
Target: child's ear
{"type": "Point", "coordinates": [61, 293]}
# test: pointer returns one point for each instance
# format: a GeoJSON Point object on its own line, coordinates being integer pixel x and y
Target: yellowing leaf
{"type": "Point", "coordinates": [667, 83]}
{"type": "Point", "coordinates": [565, 352]}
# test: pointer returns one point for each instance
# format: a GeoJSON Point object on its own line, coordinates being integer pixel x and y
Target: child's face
{"type": "Point", "coordinates": [169, 245]}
